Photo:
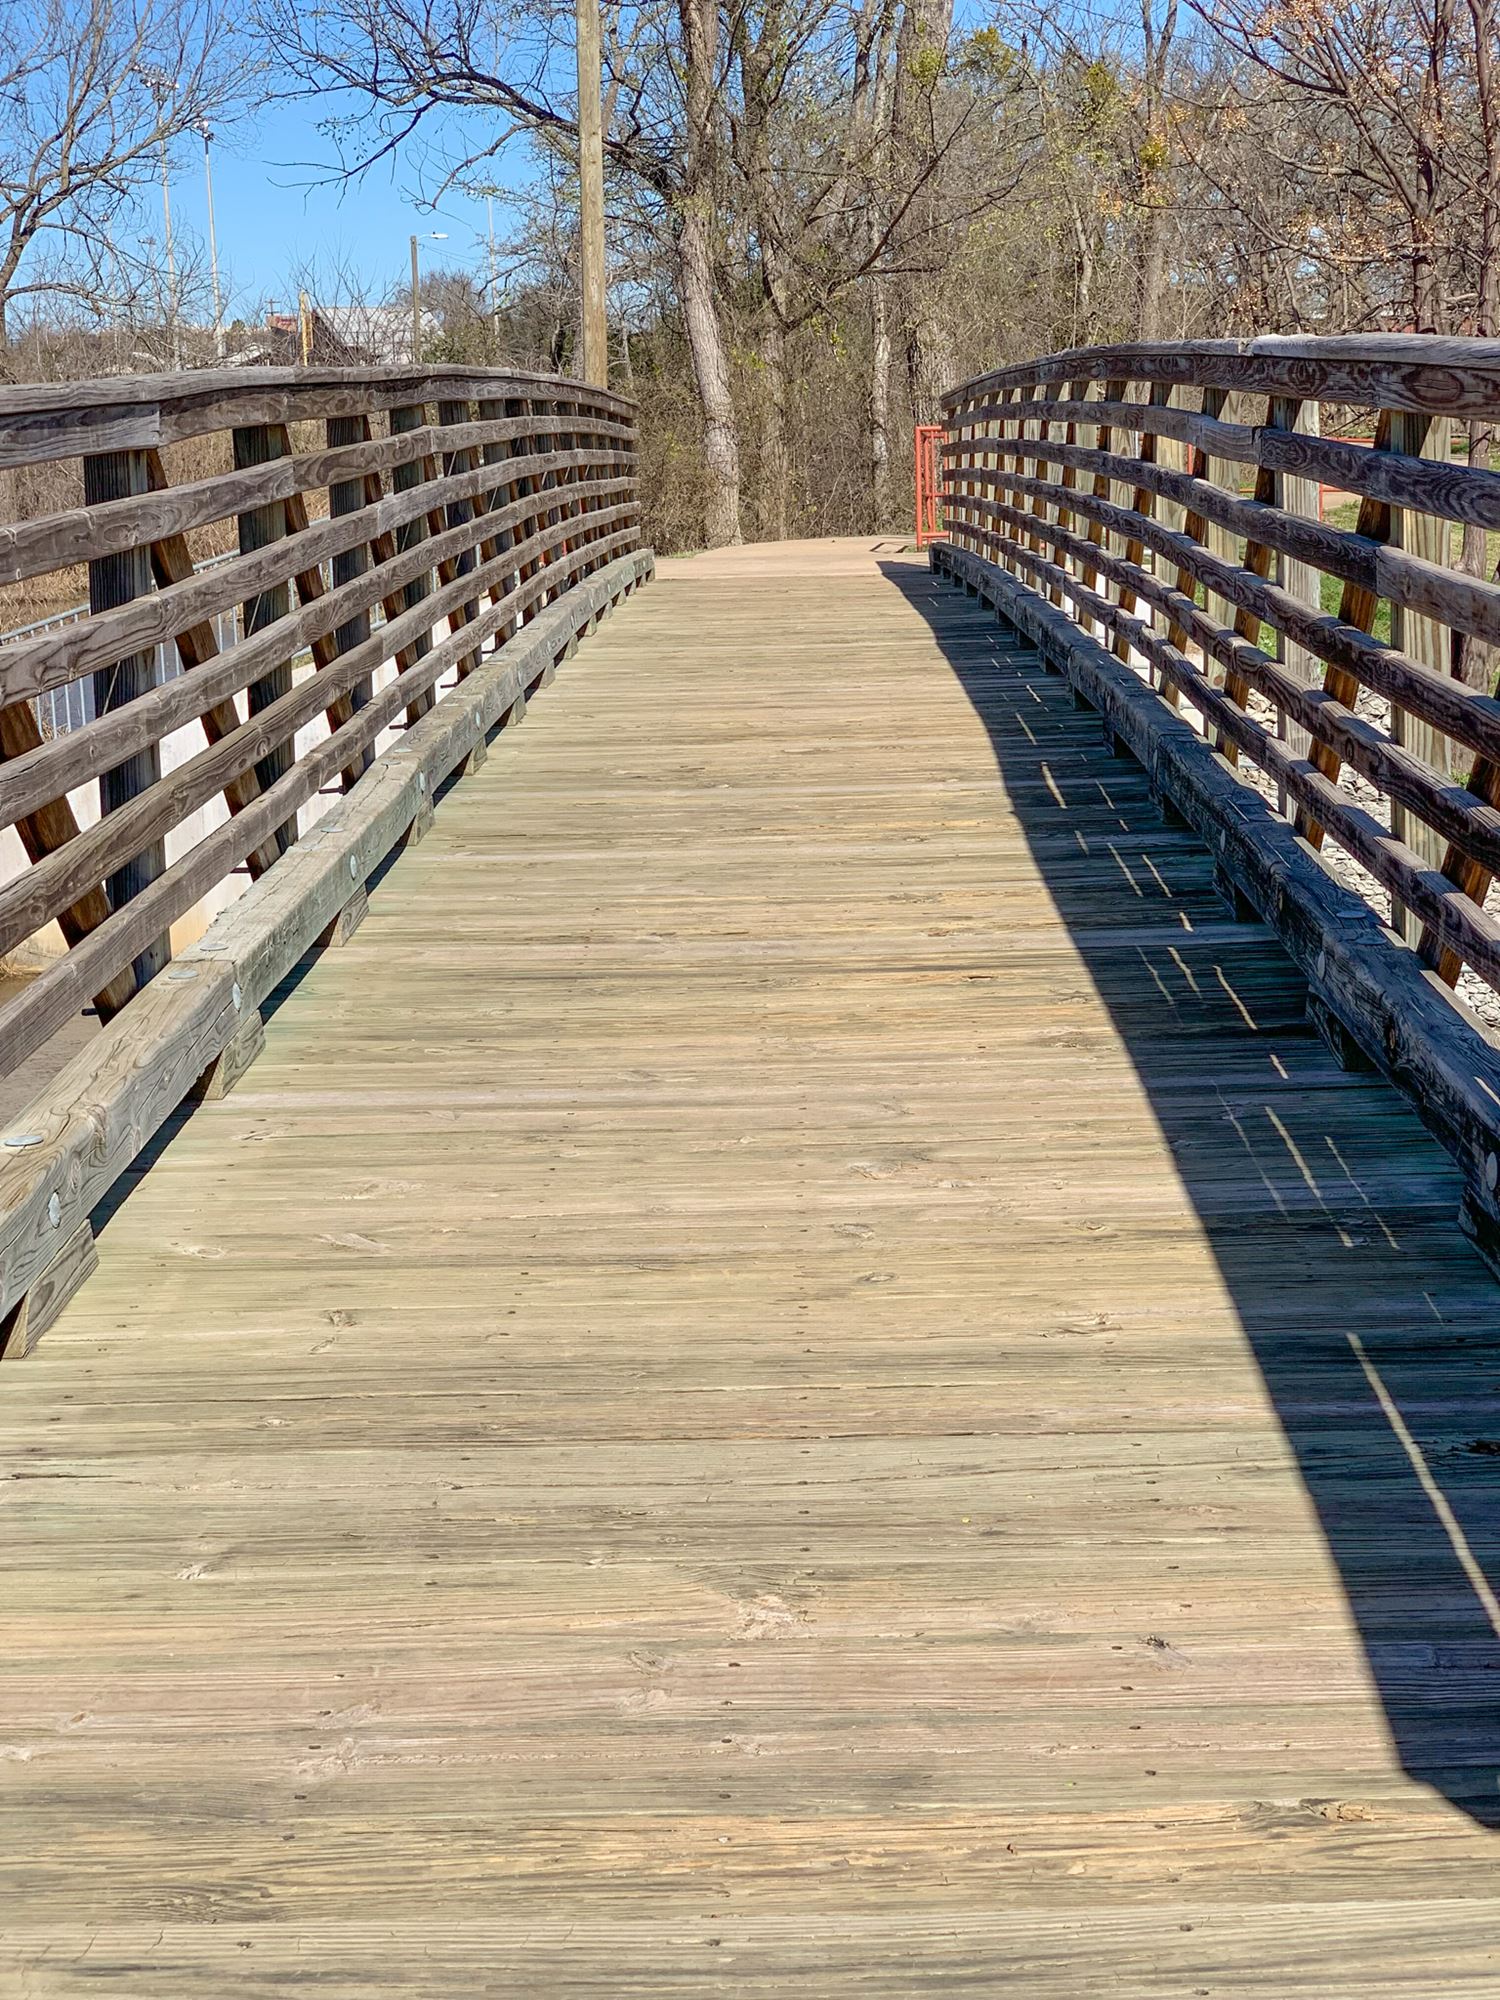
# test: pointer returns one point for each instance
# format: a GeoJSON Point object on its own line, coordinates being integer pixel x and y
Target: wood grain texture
{"type": "Point", "coordinates": [101, 1110]}
{"type": "Point", "coordinates": [1273, 561]}
{"type": "Point", "coordinates": [1418, 372]}
{"type": "Point", "coordinates": [27, 547]}
{"type": "Point", "coordinates": [49, 420]}
{"type": "Point", "coordinates": [769, 1385]}
{"type": "Point", "coordinates": [1460, 927]}
{"type": "Point", "coordinates": [1441, 1056]}
{"type": "Point", "coordinates": [1466, 815]}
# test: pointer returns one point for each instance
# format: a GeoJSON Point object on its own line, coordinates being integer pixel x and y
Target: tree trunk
{"type": "Point", "coordinates": [1083, 275]}
{"type": "Point", "coordinates": [921, 58]}
{"type": "Point", "coordinates": [721, 443]}
{"type": "Point", "coordinates": [1153, 266]}
{"type": "Point", "coordinates": [774, 498]}
{"type": "Point", "coordinates": [929, 362]}
{"type": "Point", "coordinates": [1154, 167]}
{"type": "Point", "coordinates": [880, 406]}
{"type": "Point", "coordinates": [700, 305]}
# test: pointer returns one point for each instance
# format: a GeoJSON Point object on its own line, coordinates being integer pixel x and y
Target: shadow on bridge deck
{"type": "Point", "coordinates": [682, 1431]}
{"type": "Point", "coordinates": [1331, 1215]}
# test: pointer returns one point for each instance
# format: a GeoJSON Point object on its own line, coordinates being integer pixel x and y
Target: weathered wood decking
{"type": "Point", "coordinates": [791, 1374]}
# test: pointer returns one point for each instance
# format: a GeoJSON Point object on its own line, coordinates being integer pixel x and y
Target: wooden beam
{"type": "Point", "coordinates": [116, 579]}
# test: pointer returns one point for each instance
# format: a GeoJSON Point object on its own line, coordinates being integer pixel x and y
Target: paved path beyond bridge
{"type": "Point", "coordinates": [792, 1374]}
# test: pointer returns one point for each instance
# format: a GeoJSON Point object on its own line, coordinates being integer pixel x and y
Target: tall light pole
{"type": "Point", "coordinates": [213, 244]}
{"type": "Point", "coordinates": [591, 195]}
{"type": "Point", "coordinates": [489, 207]}
{"type": "Point", "coordinates": [428, 236]}
{"type": "Point", "coordinates": [160, 86]}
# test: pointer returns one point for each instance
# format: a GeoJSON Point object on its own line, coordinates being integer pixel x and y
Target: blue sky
{"type": "Point", "coordinates": [271, 220]}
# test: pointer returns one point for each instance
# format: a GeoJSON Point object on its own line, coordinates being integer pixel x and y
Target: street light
{"type": "Point", "coordinates": [427, 236]}
{"type": "Point", "coordinates": [489, 209]}
{"type": "Point", "coordinates": [161, 88]}
{"type": "Point", "coordinates": [213, 243]}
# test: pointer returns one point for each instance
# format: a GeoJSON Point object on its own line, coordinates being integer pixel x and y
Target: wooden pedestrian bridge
{"type": "Point", "coordinates": [821, 1323]}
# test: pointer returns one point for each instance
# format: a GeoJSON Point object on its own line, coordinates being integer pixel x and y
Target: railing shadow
{"type": "Point", "coordinates": [1331, 1215]}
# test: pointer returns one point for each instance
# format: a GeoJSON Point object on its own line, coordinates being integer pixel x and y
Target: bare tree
{"type": "Point", "coordinates": [406, 62]}
{"type": "Point", "coordinates": [693, 211]}
{"type": "Point", "coordinates": [93, 90]}
{"type": "Point", "coordinates": [1392, 90]}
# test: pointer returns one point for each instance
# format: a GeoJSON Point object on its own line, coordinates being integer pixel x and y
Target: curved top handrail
{"type": "Point", "coordinates": [109, 391]}
{"type": "Point", "coordinates": [48, 420]}
{"type": "Point", "coordinates": [387, 555]}
{"type": "Point", "coordinates": [1406, 371]}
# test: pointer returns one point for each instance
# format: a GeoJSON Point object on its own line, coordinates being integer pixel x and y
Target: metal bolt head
{"type": "Point", "coordinates": [1491, 1172]}
{"type": "Point", "coordinates": [236, 996]}
{"type": "Point", "coordinates": [16, 1140]}
{"type": "Point", "coordinates": [353, 870]}
{"type": "Point", "coordinates": [421, 781]}
{"type": "Point", "coordinates": [54, 1211]}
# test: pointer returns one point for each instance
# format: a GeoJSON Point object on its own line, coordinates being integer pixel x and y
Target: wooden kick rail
{"type": "Point", "coordinates": [414, 549]}
{"type": "Point", "coordinates": [1197, 597]}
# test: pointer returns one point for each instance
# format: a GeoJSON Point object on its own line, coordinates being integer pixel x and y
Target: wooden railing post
{"type": "Point", "coordinates": [586, 439]}
{"type": "Point", "coordinates": [258, 444]}
{"type": "Point", "coordinates": [493, 410]}
{"type": "Point", "coordinates": [115, 580]}
{"type": "Point", "coordinates": [1142, 502]}
{"type": "Point", "coordinates": [1219, 405]}
{"type": "Point", "coordinates": [457, 514]}
{"type": "Point", "coordinates": [1114, 392]}
{"type": "Point", "coordinates": [1421, 638]}
{"type": "Point", "coordinates": [1301, 580]}
{"type": "Point", "coordinates": [523, 489]}
{"type": "Point", "coordinates": [349, 496]}
{"type": "Point", "coordinates": [306, 584]}
{"type": "Point", "coordinates": [411, 417]}
{"type": "Point", "coordinates": [552, 513]}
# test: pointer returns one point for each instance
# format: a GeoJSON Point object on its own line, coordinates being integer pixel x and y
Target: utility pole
{"type": "Point", "coordinates": [213, 245]}
{"type": "Point", "coordinates": [591, 195]}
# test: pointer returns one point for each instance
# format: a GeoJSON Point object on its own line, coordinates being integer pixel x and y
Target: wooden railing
{"type": "Point", "coordinates": [402, 555]}
{"type": "Point", "coordinates": [1153, 517]}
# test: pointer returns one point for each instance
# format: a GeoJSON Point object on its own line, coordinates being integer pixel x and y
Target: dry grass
{"type": "Point", "coordinates": [34, 492]}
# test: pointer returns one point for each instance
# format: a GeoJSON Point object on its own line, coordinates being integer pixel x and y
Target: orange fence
{"type": "Point", "coordinates": [927, 439]}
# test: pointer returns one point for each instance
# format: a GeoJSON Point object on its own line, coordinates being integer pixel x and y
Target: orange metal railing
{"type": "Point", "coordinates": [929, 484]}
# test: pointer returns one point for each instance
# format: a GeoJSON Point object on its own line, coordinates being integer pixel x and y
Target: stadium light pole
{"type": "Point", "coordinates": [213, 243]}
{"type": "Point", "coordinates": [160, 86]}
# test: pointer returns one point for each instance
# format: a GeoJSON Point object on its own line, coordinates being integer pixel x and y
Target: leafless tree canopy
{"type": "Point", "coordinates": [823, 211]}
{"type": "Point", "coordinates": [92, 91]}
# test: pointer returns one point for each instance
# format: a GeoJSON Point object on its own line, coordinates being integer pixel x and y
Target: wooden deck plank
{"type": "Point", "coordinates": [793, 1368]}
